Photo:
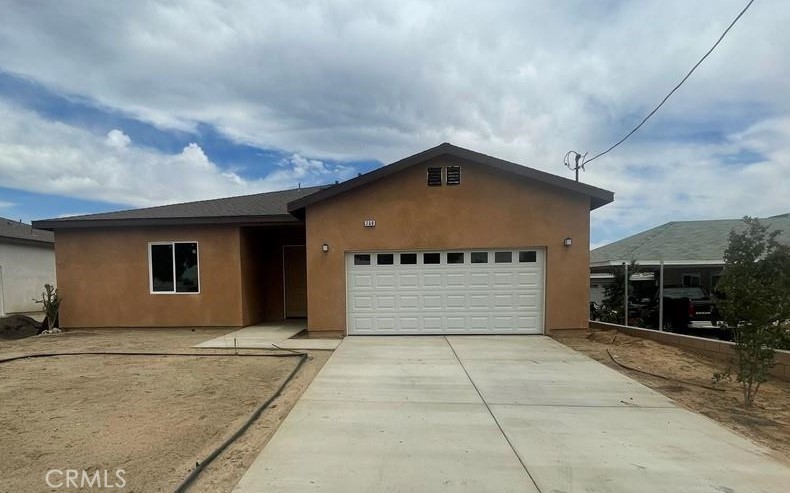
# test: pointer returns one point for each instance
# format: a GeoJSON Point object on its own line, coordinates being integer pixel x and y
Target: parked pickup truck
{"type": "Point", "coordinates": [684, 307]}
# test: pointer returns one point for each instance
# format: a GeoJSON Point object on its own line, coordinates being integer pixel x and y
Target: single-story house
{"type": "Point", "coordinates": [27, 262]}
{"type": "Point", "coordinates": [692, 253]}
{"type": "Point", "coordinates": [445, 241]}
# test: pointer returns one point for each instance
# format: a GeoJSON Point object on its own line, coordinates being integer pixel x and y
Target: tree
{"type": "Point", "coordinates": [614, 300]}
{"type": "Point", "coordinates": [755, 301]}
{"type": "Point", "coordinates": [50, 300]}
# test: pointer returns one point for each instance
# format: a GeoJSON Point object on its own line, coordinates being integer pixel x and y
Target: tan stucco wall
{"type": "Point", "coordinates": [103, 278]}
{"type": "Point", "coordinates": [488, 210]}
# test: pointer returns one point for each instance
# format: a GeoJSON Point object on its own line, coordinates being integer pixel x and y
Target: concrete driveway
{"type": "Point", "coordinates": [496, 414]}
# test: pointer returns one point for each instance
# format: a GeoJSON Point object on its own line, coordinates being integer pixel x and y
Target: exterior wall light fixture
{"type": "Point", "coordinates": [325, 247]}
{"type": "Point", "coordinates": [567, 241]}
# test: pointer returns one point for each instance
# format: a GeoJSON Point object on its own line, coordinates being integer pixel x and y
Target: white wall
{"type": "Point", "coordinates": [23, 272]}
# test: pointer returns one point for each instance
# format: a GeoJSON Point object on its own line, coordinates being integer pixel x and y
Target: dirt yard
{"type": "Point", "coordinates": [152, 416]}
{"type": "Point", "coordinates": [767, 422]}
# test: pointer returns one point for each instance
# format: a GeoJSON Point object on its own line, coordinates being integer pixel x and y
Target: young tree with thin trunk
{"type": "Point", "coordinates": [755, 301]}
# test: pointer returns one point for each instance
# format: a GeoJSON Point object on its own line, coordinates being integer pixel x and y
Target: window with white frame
{"type": "Point", "coordinates": [173, 267]}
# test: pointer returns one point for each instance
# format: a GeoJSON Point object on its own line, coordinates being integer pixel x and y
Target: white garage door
{"type": "Point", "coordinates": [446, 292]}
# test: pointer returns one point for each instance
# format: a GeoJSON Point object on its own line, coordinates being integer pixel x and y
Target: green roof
{"type": "Point", "coordinates": [682, 242]}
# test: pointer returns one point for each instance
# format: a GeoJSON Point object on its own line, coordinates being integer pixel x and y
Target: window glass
{"type": "Point", "coordinates": [385, 259]}
{"type": "Point", "coordinates": [431, 258]}
{"type": "Point", "coordinates": [408, 258]}
{"type": "Point", "coordinates": [362, 259]}
{"type": "Point", "coordinates": [455, 258]}
{"type": "Point", "coordinates": [186, 258]}
{"type": "Point", "coordinates": [479, 257]}
{"type": "Point", "coordinates": [503, 257]}
{"type": "Point", "coordinates": [174, 267]}
{"type": "Point", "coordinates": [528, 256]}
{"type": "Point", "coordinates": [162, 268]}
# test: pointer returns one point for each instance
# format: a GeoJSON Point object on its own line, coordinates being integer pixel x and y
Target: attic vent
{"type": "Point", "coordinates": [453, 175]}
{"type": "Point", "coordinates": [434, 177]}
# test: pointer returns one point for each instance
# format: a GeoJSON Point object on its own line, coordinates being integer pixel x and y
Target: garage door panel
{"type": "Point", "coordinates": [409, 302]}
{"type": "Point", "coordinates": [479, 279]}
{"type": "Point", "coordinates": [456, 301]}
{"type": "Point", "coordinates": [410, 280]}
{"type": "Point", "coordinates": [385, 280]}
{"type": "Point", "coordinates": [362, 280]}
{"type": "Point", "coordinates": [385, 302]}
{"type": "Point", "coordinates": [504, 300]}
{"type": "Point", "coordinates": [456, 280]}
{"type": "Point", "coordinates": [456, 323]}
{"type": "Point", "coordinates": [458, 298]}
{"type": "Point", "coordinates": [478, 301]}
{"type": "Point", "coordinates": [432, 302]}
{"type": "Point", "coordinates": [362, 302]}
{"type": "Point", "coordinates": [432, 280]}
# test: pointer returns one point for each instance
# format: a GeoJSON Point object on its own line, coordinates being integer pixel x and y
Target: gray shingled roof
{"type": "Point", "coordinates": [261, 207]}
{"type": "Point", "coordinates": [682, 241]}
{"type": "Point", "coordinates": [17, 232]}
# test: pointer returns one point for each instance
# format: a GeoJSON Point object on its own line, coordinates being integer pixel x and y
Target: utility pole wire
{"type": "Point", "coordinates": [584, 162]}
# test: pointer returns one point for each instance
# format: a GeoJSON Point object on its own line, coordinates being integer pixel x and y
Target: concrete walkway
{"type": "Point", "coordinates": [496, 414]}
{"type": "Point", "coordinates": [269, 336]}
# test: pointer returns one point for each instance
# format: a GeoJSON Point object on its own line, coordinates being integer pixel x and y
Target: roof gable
{"type": "Point", "coordinates": [598, 196]}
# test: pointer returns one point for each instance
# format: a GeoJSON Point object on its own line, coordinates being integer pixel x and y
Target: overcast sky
{"type": "Point", "coordinates": [107, 105]}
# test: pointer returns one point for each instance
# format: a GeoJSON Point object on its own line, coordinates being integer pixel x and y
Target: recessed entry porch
{"type": "Point", "coordinates": [274, 274]}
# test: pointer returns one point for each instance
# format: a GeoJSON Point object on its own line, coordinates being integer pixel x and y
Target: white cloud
{"type": "Point", "coordinates": [116, 138]}
{"type": "Point", "coordinates": [525, 81]}
{"type": "Point", "coordinates": [6, 205]}
{"type": "Point", "coordinates": [51, 157]}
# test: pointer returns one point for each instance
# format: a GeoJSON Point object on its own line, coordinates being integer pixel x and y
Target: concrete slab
{"type": "Point", "coordinates": [313, 344]}
{"type": "Point", "coordinates": [389, 380]}
{"type": "Point", "coordinates": [400, 348]}
{"type": "Point", "coordinates": [573, 382]}
{"type": "Point", "coordinates": [512, 347]}
{"type": "Point", "coordinates": [256, 336]}
{"type": "Point", "coordinates": [636, 450]}
{"type": "Point", "coordinates": [403, 414]}
{"type": "Point", "coordinates": [394, 447]}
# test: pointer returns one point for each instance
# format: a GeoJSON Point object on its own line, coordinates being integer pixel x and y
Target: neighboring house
{"type": "Point", "coordinates": [692, 252]}
{"type": "Point", "coordinates": [27, 262]}
{"type": "Point", "coordinates": [445, 241]}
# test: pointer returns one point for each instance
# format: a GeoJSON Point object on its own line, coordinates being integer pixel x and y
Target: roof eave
{"type": "Point", "coordinates": [27, 242]}
{"type": "Point", "coordinates": [656, 263]}
{"type": "Point", "coordinates": [275, 219]}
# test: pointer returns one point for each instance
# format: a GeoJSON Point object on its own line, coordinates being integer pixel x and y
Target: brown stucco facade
{"type": "Point", "coordinates": [490, 209]}
{"type": "Point", "coordinates": [261, 257]}
{"type": "Point", "coordinates": [104, 276]}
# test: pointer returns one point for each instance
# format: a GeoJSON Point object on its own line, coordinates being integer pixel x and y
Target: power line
{"type": "Point", "coordinates": [580, 160]}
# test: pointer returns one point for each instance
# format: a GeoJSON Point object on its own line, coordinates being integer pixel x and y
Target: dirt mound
{"type": "Point", "coordinates": [18, 327]}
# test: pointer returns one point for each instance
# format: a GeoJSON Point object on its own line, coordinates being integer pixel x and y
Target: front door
{"type": "Point", "coordinates": [295, 281]}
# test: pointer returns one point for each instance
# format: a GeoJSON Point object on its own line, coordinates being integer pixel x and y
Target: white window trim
{"type": "Point", "coordinates": [151, 270]}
